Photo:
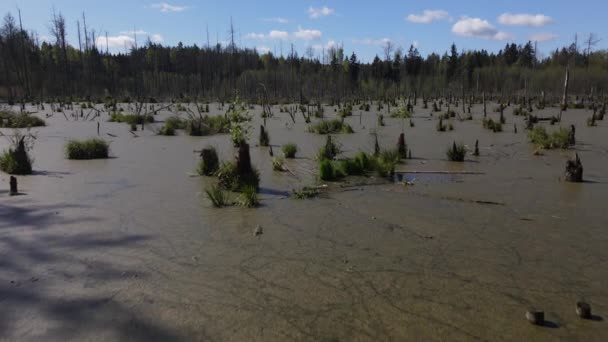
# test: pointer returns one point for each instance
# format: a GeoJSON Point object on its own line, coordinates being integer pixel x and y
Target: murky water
{"type": "Point", "coordinates": [129, 248]}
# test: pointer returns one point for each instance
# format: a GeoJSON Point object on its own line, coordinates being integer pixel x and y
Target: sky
{"type": "Point", "coordinates": [360, 27]}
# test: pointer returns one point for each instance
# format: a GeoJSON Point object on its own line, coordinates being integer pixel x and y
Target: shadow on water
{"type": "Point", "coordinates": [38, 254]}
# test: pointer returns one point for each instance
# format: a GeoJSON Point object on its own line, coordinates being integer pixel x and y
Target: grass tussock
{"type": "Point", "coordinates": [494, 126]}
{"type": "Point", "coordinates": [17, 120]}
{"type": "Point", "coordinates": [331, 127]}
{"type": "Point", "coordinates": [217, 196]}
{"type": "Point", "coordinates": [457, 152]}
{"type": "Point", "coordinates": [248, 197]}
{"type": "Point", "coordinates": [559, 139]}
{"type": "Point", "coordinates": [401, 113]}
{"type": "Point", "coordinates": [230, 179]}
{"type": "Point", "coordinates": [290, 150]}
{"type": "Point", "coordinates": [171, 125]}
{"type": "Point", "coordinates": [131, 119]}
{"type": "Point", "coordinates": [209, 163]}
{"type": "Point", "coordinates": [362, 164]}
{"type": "Point", "coordinates": [94, 148]}
{"type": "Point", "coordinates": [305, 193]}
{"type": "Point", "coordinates": [207, 125]}
{"type": "Point", "coordinates": [278, 164]}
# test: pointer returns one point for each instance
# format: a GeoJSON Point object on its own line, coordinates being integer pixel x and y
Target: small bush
{"type": "Point", "coordinates": [457, 152]}
{"type": "Point", "coordinates": [350, 167]}
{"type": "Point", "coordinates": [558, 139]}
{"type": "Point", "coordinates": [230, 179]}
{"type": "Point", "coordinates": [401, 113]}
{"type": "Point", "coordinates": [16, 160]}
{"type": "Point", "coordinates": [249, 197]}
{"type": "Point", "coordinates": [217, 196]}
{"type": "Point", "coordinates": [87, 149]}
{"type": "Point", "coordinates": [131, 119]}
{"type": "Point", "coordinates": [209, 162]}
{"type": "Point", "coordinates": [331, 127]}
{"type": "Point", "coordinates": [492, 125]}
{"type": "Point", "coordinates": [278, 164]}
{"type": "Point", "coordinates": [16, 120]}
{"type": "Point", "coordinates": [290, 150]}
{"type": "Point", "coordinates": [326, 170]}
{"type": "Point", "coordinates": [330, 150]}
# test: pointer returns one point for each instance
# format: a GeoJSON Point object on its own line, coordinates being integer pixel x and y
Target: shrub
{"type": "Point", "coordinates": [440, 126]}
{"type": "Point", "coordinates": [363, 160]}
{"type": "Point", "coordinates": [209, 162]}
{"type": "Point", "coordinates": [492, 125]}
{"type": "Point", "coordinates": [230, 179]}
{"type": "Point", "coordinates": [16, 160]}
{"type": "Point", "coordinates": [249, 197]}
{"type": "Point", "coordinates": [290, 150]}
{"type": "Point", "coordinates": [330, 150]}
{"type": "Point", "coordinates": [331, 127]}
{"type": "Point", "coordinates": [457, 152]}
{"type": "Point", "coordinates": [277, 164]}
{"type": "Point", "coordinates": [558, 139]}
{"type": "Point", "coordinates": [87, 149]}
{"type": "Point", "coordinates": [131, 119]}
{"type": "Point", "coordinates": [326, 170]}
{"type": "Point", "coordinates": [350, 167]}
{"type": "Point", "coordinates": [16, 120]}
{"type": "Point", "coordinates": [217, 196]}
{"type": "Point", "coordinates": [384, 164]}
{"type": "Point", "coordinates": [401, 113]}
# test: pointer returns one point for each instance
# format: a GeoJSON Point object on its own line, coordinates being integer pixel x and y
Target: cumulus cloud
{"type": "Point", "coordinates": [476, 27]}
{"type": "Point", "coordinates": [369, 41]}
{"type": "Point", "coordinates": [306, 34]}
{"type": "Point", "coordinates": [165, 7]}
{"type": "Point", "coordinates": [428, 16]}
{"type": "Point", "coordinates": [535, 20]}
{"type": "Point", "coordinates": [315, 13]}
{"type": "Point", "coordinates": [262, 49]}
{"type": "Point", "coordinates": [157, 38]}
{"type": "Point", "coordinates": [116, 41]}
{"type": "Point", "coordinates": [274, 34]}
{"type": "Point", "coordinates": [543, 37]}
{"type": "Point", "coordinates": [130, 33]}
{"type": "Point", "coordinates": [277, 20]}
{"type": "Point", "coordinates": [331, 44]}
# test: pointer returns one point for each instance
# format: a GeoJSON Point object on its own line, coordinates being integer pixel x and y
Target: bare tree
{"type": "Point", "coordinates": [388, 49]}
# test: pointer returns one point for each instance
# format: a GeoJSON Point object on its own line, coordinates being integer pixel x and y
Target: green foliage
{"type": "Point", "coordinates": [249, 197]}
{"type": "Point", "coordinates": [209, 163]}
{"type": "Point", "coordinates": [492, 125]}
{"type": "Point", "coordinates": [331, 127]}
{"type": "Point", "coordinates": [401, 113]}
{"type": "Point", "coordinates": [217, 196]}
{"type": "Point", "coordinates": [558, 139]}
{"type": "Point", "coordinates": [330, 150]}
{"type": "Point", "coordinates": [131, 119]}
{"type": "Point", "coordinates": [457, 152]}
{"type": "Point", "coordinates": [290, 150]}
{"type": "Point", "coordinates": [305, 193]}
{"type": "Point", "coordinates": [87, 149]}
{"type": "Point", "coordinates": [278, 164]}
{"type": "Point", "coordinates": [326, 170]}
{"type": "Point", "coordinates": [230, 179]}
{"type": "Point", "coordinates": [16, 160]}
{"type": "Point", "coordinates": [440, 126]}
{"type": "Point", "coordinates": [207, 125]}
{"type": "Point", "coordinates": [16, 120]}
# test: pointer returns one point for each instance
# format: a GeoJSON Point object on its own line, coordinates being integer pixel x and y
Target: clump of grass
{"type": "Point", "coordinates": [94, 148]}
{"type": "Point", "coordinates": [17, 120]}
{"type": "Point", "coordinates": [290, 150]}
{"type": "Point", "coordinates": [331, 127]}
{"type": "Point", "coordinates": [16, 160]}
{"type": "Point", "coordinates": [305, 193]}
{"type": "Point", "coordinates": [558, 139]}
{"type": "Point", "coordinates": [401, 113]}
{"type": "Point", "coordinates": [385, 162]}
{"type": "Point", "coordinates": [131, 119]}
{"type": "Point", "coordinates": [230, 178]}
{"type": "Point", "coordinates": [171, 125]}
{"type": "Point", "coordinates": [520, 111]}
{"type": "Point", "coordinates": [456, 153]}
{"type": "Point", "coordinates": [217, 196]}
{"type": "Point", "coordinates": [209, 163]}
{"type": "Point", "coordinates": [330, 150]}
{"type": "Point", "coordinates": [326, 170]}
{"type": "Point", "coordinates": [440, 126]}
{"type": "Point", "coordinates": [207, 125]}
{"type": "Point", "coordinates": [278, 164]}
{"type": "Point", "coordinates": [249, 197]}
{"type": "Point", "coordinates": [494, 126]}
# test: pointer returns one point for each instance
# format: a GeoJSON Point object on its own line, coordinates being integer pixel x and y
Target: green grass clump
{"type": "Point", "coordinates": [230, 179]}
{"type": "Point", "coordinates": [249, 197]}
{"type": "Point", "coordinates": [558, 139]}
{"type": "Point", "coordinates": [171, 125]}
{"type": "Point", "coordinates": [209, 163]}
{"type": "Point", "coordinates": [131, 119]}
{"type": "Point", "coordinates": [207, 125]}
{"type": "Point", "coordinates": [331, 127]}
{"type": "Point", "coordinates": [457, 152]}
{"type": "Point", "coordinates": [401, 113]}
{"type": "Point", "coordinates": [305, 193]}
{"type": "Point", "coordinates": [15, 163]}
{"type": "Point", "coordinates": [217, 196]}
{"type": "Point", "coordinates": [278, 164]}
{"type": "Point", "coordinates": [290, 150]}
{"type": "Point", "coordinates": [494, 126]}
{"type": "Point", "coordinates": [87, 149]}
{"type": "Point", "coordinates": [326, 170]}
{"type": "Point", "coordinates": [385, 162]}
{"type": "Point", "coordinates": [16, 120]}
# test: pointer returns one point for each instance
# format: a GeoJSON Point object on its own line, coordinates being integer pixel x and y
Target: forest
{"type": "Point", "coordinates": [31, 70]}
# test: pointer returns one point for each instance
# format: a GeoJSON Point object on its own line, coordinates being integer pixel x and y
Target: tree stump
{"type": "Point", "coordinates": [243, 159]}
{"type": "Point", "coordinates": [535, 317]}
{"type": "Point", "coordinates": [13, 183]}
{"type": "Point", "coordinates": [572, 135]}
{"type": "Point", "coordinates": [401, 146]}
{"type": "Point", "coordinates": [210, 161]}
{"type": "Point", "coordinates": [583, 310]}
{"type": "Point", "coordinates": [574, 170]}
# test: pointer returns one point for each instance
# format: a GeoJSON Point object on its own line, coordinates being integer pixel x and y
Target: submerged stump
{"type": "Point", "coordinates": [574, 170]}
{"type": "Point", "coordinates": [535, 317]}
{"type": "Point", "coordinates": [583, 310]}
{"type": "Point", "coordinates": [13, 184]}
{"type": "Point", "coordinates": [401, 146]}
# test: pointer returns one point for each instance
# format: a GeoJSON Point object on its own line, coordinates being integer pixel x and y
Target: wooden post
{"type": "Point", "coordinates": [97, 127]}
{"type": "Point", "coordinates": [13, 183]}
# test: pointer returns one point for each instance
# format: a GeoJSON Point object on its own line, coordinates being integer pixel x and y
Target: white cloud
{"type": "Point", "coordinates": [475, 27]}
{"type": "Point", "coordinates": [535, 20]}
{"type": "Point", "coordinates": [165, 7]}
{"type": "Point", "coordinates": [157, 38]}
{"type": "Point", "coordinates": [306, 34]}
{"type": "Point", "coordinates": [329, 45]}
{"type": "Point", "coordinates": [281, 35]}
{"type": "Point", "coordinates": [262, 49]}
{"type": "Point", "coordinates": [415, 44]}
{"type": "Point", "coordinates": [369, 41]}
{"type": "Point", "coordinates": [130, 33]}
{"type": "Point", "coordinates": [274, 34]}
{"type": "Point", "coordinates": [116, 41]}
{"type": "Point", "coordinates": [543, 37]}
{"type": "Point", "coordinates": [277, 20]}
{"type": "Point", "coordinates": [315, 13]}
{"type": "Point", "coordinates": [428, 16]}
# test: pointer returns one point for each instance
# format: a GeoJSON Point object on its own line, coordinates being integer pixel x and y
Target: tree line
{"type": "Point", "coordinates": [34, 70]}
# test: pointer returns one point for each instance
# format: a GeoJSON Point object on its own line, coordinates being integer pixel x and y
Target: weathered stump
{"type": "Point", "coordinates": [210, 161]}
{"type": "Point", "coordinates": [583, 310]}
{"type": "Point", "coordinates": [574, 170]}
{"type": "Point", "coordinates": [535, 317]}
{"type": "Point", "coordinates": [401, 146]}
{"type": "Point", "coordinates": [572, 135]}
{"type": "Point", "coordinates": [243, 159]}
{"type": "Point", "coordinates": [476, 153]}
{"type": "Point", "coordinates": [13, 184]}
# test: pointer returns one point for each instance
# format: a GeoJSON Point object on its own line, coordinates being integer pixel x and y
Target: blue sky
{"type": "Point", "coordinates": [361, 27]}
